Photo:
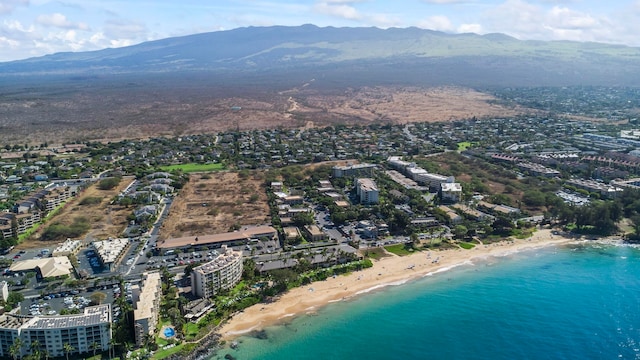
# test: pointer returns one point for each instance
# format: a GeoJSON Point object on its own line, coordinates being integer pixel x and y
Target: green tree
{"type": "Point", "coordinates": [460, 231]}
{"type": "Point", "coordinates": [94, 346]}
{"type": "Point", "coordinates": [98, 297]}
{"type": "Point", "coordinates": [68, 348]}
{"type": "Point", "coordinates": [16, 348]}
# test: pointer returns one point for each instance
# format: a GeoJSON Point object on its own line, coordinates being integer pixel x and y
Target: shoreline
{"type": "Point", "coordinates": [388, 271]}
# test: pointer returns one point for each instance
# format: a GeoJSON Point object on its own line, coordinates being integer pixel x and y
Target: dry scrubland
{"type": "Point", "coordinates": [106, 220]}
{"type": "Point", "coordinates": [98, 114]}
{"type": "Point", "coordinates": [213, 202]}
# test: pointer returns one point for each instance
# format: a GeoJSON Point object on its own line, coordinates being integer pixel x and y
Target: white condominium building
{"type": "Point", "coordinates": [146, 301]}
{"type": "Point", "coordinates": [223, 272]}
{"type": "Point", "coordinates": [367, 191]}
{"type": "Point", "coordinates": [84, 332]}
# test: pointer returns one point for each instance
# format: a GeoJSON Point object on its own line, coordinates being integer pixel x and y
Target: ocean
{"type": "Point", "coordinates": [570, 302]}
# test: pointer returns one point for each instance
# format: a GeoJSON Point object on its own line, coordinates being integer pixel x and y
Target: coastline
{"type": "Point", "coordinates": [388, 271]}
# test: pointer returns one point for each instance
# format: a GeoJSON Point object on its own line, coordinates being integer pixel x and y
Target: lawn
{"type": "Point", "coordinates": [464, 145]}
{"type": "Point", "coordinates": [375, 253]}
{"type": "Point", "coordinates": [165, 353]}
{"type": "Point", "coordinates": [193, 167]}
{"type": "Point", "coordinates": [398, 249]}
{"type": "Point", "coordinates": [190, 331]}
{"type": "Point", "coordinates": [466, 245]}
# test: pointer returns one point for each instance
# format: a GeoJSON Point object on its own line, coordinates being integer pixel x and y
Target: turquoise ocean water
{"type": "Point", "coordinates": [573, 302]}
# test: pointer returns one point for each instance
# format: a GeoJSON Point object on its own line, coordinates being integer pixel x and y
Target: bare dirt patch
{"type": "Point", "coordinates": [213, 202]}
{"type": "Point", "coordinates": [106, 220]}
{"type": "Point", "coordinates": [105, 114]}
{"type": "Point", "coordinates": [403, 104]}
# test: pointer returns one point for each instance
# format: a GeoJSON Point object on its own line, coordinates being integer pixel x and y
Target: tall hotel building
{"type": "Point", "coordinates": [223, 272]}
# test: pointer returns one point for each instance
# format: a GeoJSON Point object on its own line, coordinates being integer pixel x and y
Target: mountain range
{"type": "Point", "coordinates": [410, 56]}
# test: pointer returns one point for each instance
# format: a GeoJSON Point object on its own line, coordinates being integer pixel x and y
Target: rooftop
{"type": "Point", "coordinates": [249, 233]}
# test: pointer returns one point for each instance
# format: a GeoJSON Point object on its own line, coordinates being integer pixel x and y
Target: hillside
{"type": "Point", "coordinates": [287, 76]}
{"type": "Point", "coordinates": [394, 52]}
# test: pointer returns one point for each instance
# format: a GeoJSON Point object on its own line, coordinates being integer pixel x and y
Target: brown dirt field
{"type": "Point", "coordinates": [226, 196]}
{"type": "Point", "coordinates": [403, 105]}
{"type": "Point", "coordinates": [106, 220]}
{"type": "Point", "coordinates": [144, 115]}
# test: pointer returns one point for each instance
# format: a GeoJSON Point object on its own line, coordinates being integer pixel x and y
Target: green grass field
{"type": "Point", "coordinates": [193, 167]}
{"type": "Point", "coordinates": [398, 249]}
{"type": "Point", "coordinates": [466, 245]}
{"type": "Point", "coordinates": [462, 146]}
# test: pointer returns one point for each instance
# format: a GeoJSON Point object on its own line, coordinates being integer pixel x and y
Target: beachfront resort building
{"type": "Point", "coordinates": [146, 300]}
{"type": "Point", "coordinates": [84, 332]}
{"type": "Point", "coordinates": [223, 272]}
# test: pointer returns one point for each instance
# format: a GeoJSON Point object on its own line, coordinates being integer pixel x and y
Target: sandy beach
{"type": "Point", "coordinates": [393, 270]}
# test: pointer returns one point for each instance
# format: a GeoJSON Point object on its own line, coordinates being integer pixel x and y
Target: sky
{"type": "Point", "coordinates": [30, 28]}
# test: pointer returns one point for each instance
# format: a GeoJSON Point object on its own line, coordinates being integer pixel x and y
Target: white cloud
{"type": "Point", "coordinates": [447, 1]}
{"type": "Point", "coordinates": [7, 6]}
{"type": "Point", "coordinates": [59, 21]}
{"type": "Point", "coordinates": [121, 29]}
{"type": "Point", "coordinates": [526, 20]}
{"type": "Point", "coordinates": [437, 22]}
{"type": "Point", "coordinates": [338, 10]}
{"type": "Point", "coordinates": [470, 28]}
{"type": "Point", "coordinates": [383, 20]}
{"type": "Point", "coordinates": [342, 1]}
{"type": "Point", "coordinates": [565, 18]}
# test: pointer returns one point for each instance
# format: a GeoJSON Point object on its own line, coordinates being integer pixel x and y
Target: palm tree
{"type": "Point", "coordinates": [94, 346]}
{"type": "Point", "coordinates": [16, 349]}
{"type": "Point", "coordinates": [67, 349]}
{"type": "Point", "coordinates": [35, 349]}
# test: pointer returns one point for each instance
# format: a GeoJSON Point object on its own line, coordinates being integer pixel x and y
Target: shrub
{"type": "Point", "coordinates": [92, 200]}
{"type": "Point", "coordinates": [109, 183]}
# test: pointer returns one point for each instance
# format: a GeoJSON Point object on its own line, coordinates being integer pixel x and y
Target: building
{"type": "Point", "coordinates": [276, 186]}
{"type": "Point", "coordinates": [605, 190]}
{"type": "Point", "coordinates": [45, 268]}
{"type": "Point", "coordinates": [216, 240]}
{"type": "Point", "coordinates": [367, 191]}
{"type": "Point", "coordinates": [4, 290]}
{"type": "Point", "coordinates": [84, 332]}
{"type": "Point", "coordinates": [111, 251]}
{"type": "Point", "coordinates": [313, 233]}
{"type": "Point", "coordinates": [453, 216]}
{"type": "Point", "coordinates": [433, 181]}
{"type": "Point", "coordinates": [221, 273]}
{"type": "Point", "coordinates": [69, 247]}
{"type": "Point", "coordinates": [353, 170]}
{"type": "Point", "coordinates": [450, 192]}
{"type": "Point", "coordinates": [499, 209]}
{"type": "Point", "coordinates": [537, 169]}
{"type": "Point", "coordinates": [146, 300]}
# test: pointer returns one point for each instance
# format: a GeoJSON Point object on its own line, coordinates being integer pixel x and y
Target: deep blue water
{"type": "Point", "coordinates": [578, 302]}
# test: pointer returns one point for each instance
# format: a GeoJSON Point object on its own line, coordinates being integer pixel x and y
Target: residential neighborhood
{"type": "Point", "coordinates": [336, 198]}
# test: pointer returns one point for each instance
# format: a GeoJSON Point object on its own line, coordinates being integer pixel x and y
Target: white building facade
{"type": "Point", "coordinates": [223, 272]}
